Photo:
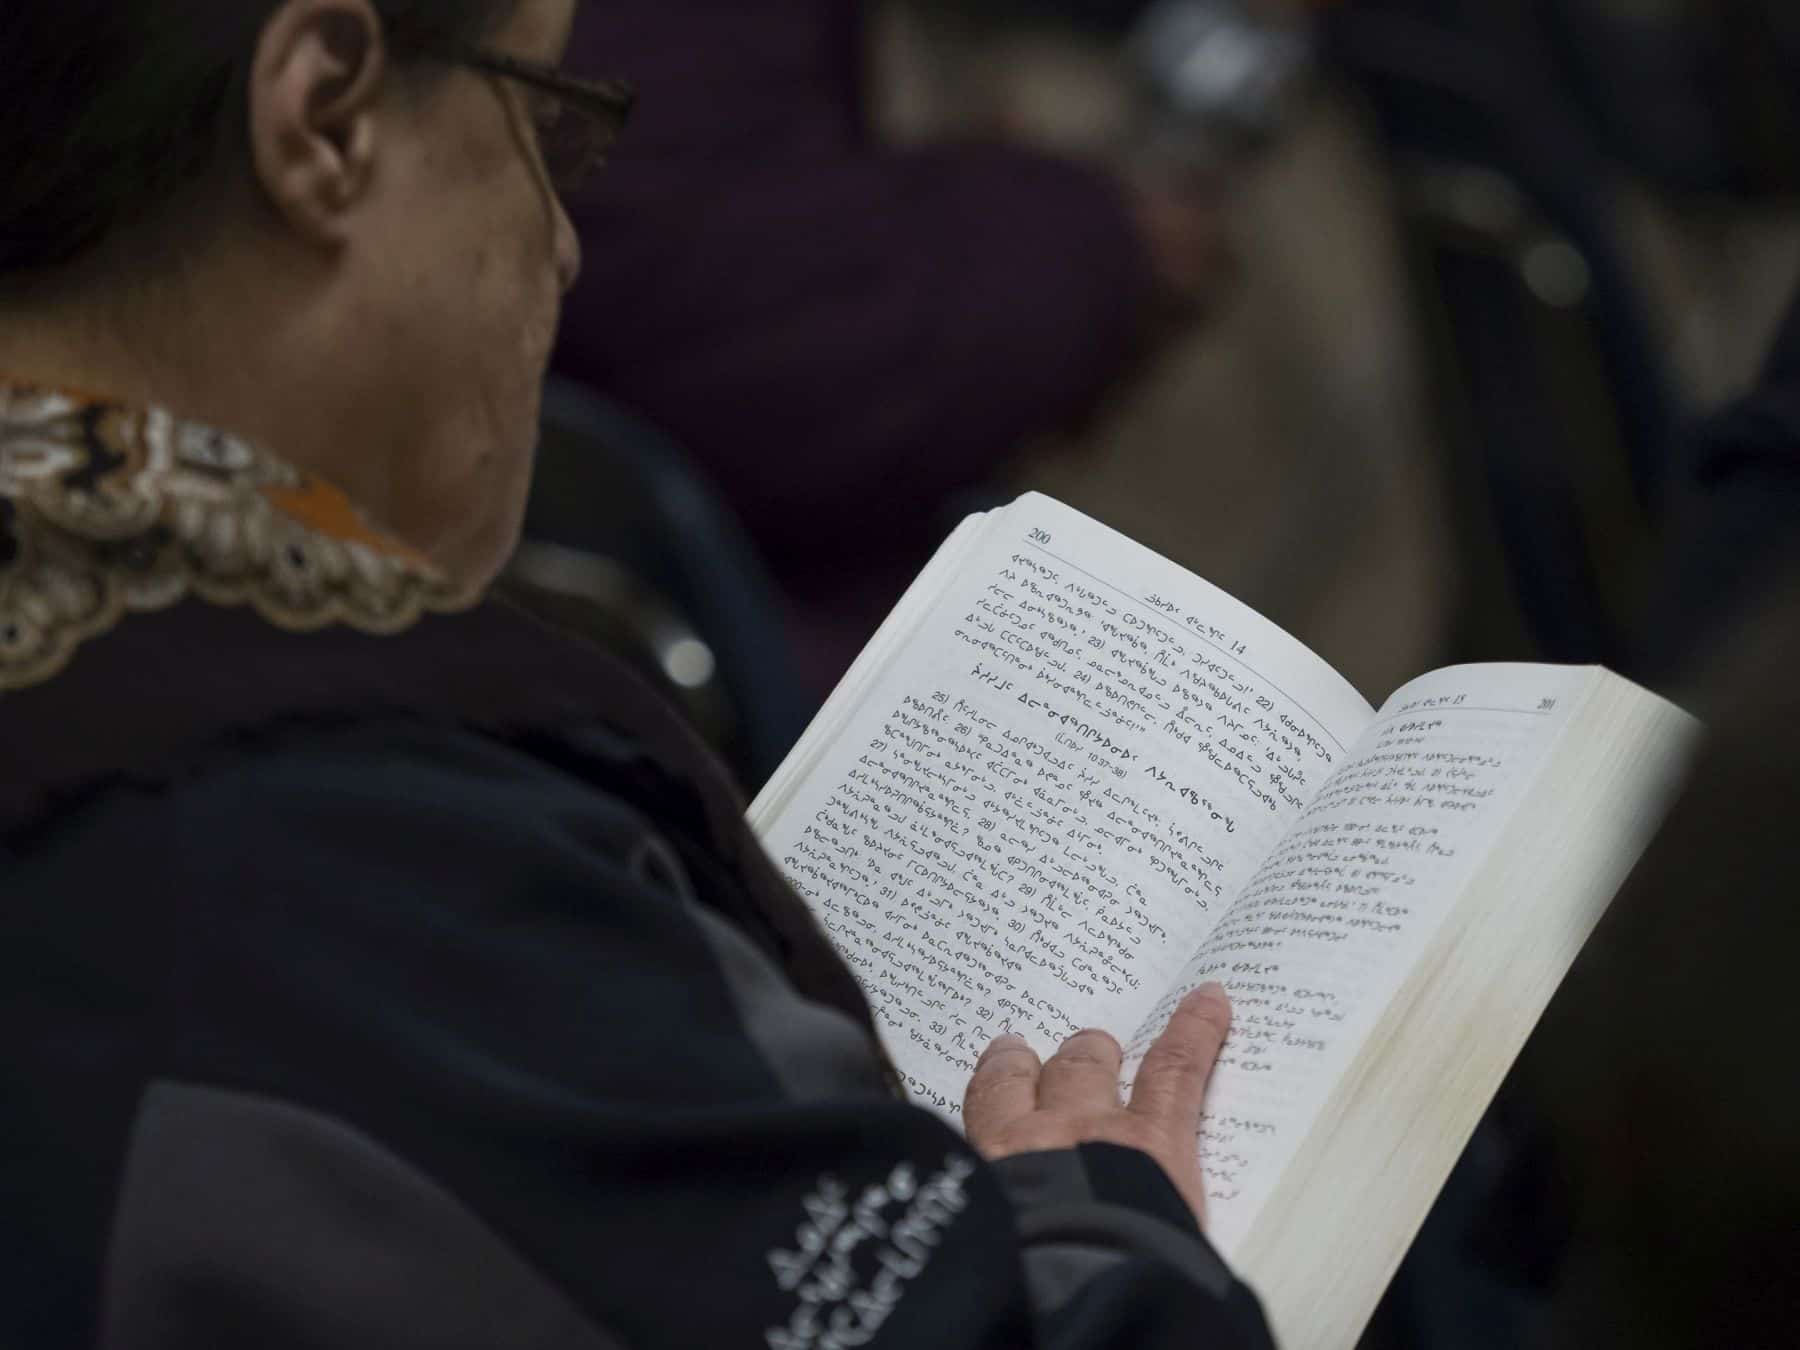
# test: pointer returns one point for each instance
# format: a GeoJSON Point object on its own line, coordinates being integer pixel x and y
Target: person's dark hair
{"type": "Point", "coordinates": [114, 106]}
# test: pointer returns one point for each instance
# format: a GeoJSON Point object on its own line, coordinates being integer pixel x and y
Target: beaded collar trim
{"type": "Point", "coordinates": [108, 510]}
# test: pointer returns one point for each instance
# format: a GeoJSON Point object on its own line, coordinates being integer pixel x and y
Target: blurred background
{"type": "Point", "coordinates": [1387, 316]}
{"type": "Point", "coordinates": [1407, 322]}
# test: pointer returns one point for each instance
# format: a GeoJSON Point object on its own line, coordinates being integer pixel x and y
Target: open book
{"type": "Point", "coordinates": [1068, 782]}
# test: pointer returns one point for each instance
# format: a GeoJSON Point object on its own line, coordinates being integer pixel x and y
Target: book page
{"type": "Point", "coordinates": [1328, 1238]}
{"type": "Point", "coordinates": [1025, 811]}
{"type": "Point", "coordinates": [1331, 924]}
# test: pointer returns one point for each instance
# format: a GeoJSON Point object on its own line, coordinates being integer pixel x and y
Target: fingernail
{"type": "Point", "coordinates": [1211, 989]}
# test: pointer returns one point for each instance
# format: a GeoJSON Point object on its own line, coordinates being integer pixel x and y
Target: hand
{"type": "Point", "coordinates": [1015, 1104]}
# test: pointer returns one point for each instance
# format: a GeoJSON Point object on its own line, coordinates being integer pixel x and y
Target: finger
{"type": "Point", "coordinates": [1003, 1087]}
{"type": "Point", "coordinates": [1083, 1074]}
{"type": "Point", "coordinates": [1171, 1082]}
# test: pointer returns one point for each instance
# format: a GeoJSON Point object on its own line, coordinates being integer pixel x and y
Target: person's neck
{"type": "Point", "coordinates": [237, 356]}
{"type": "Point", "coordinates": [67, 351]}
{"type": "Point", "coordinates": [171, 349]}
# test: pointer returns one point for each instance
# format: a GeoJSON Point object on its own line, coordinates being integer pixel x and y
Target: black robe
{"type": "Point", "coordinates": [430, 990]}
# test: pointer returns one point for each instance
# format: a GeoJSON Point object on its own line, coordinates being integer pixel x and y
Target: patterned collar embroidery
{"type": "Point", "coordinates": [108, 510]}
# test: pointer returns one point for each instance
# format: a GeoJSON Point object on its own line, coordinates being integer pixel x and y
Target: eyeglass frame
{"type": "Point", "coordinates": [606, 104]}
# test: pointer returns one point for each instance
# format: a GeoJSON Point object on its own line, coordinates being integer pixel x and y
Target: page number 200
{"type": "Point", "coordinates": [1040, 536]}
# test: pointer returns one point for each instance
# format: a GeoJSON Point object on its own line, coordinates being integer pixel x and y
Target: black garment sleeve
{"type": "Point", "coordinates": [436, 999]}
{"type": "Point", "coordinates": [1095, 1223]}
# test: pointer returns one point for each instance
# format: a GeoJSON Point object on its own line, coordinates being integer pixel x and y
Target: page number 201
{"type": "Point", "coordinates": [1040, 536]}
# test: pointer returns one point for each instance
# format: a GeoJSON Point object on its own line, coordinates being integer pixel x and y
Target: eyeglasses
{"type": "Point", "coordinates": [577, 122]}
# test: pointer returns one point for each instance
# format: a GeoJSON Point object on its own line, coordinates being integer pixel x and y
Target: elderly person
{"type": "Point", "coordinates": [379, 969]}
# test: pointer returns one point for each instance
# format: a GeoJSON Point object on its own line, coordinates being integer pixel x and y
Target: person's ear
{"type": "Point", "coordinates": [315, 84]}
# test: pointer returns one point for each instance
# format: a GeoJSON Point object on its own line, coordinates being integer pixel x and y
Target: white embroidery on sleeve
{"type": "Point", "coordinates": [842, 1303]}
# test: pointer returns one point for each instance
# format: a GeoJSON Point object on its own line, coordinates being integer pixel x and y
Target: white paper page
{"type": "Point", "coordinates": [1328, 929]}
{"type": "Point", "coordinates": [1032, 816]}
